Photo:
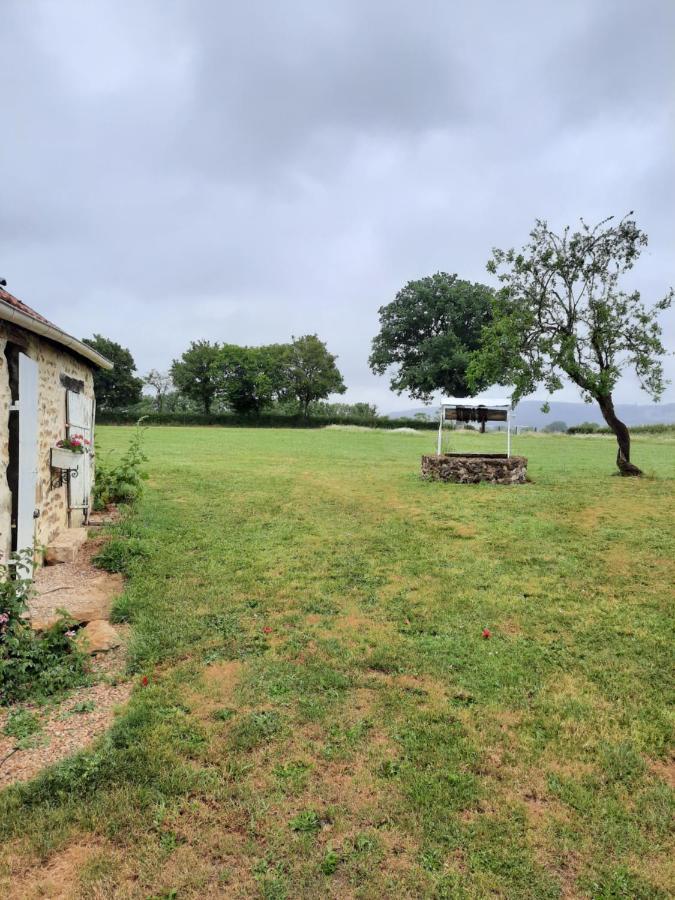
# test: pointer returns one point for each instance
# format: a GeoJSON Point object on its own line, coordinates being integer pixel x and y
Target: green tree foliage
{"type": "Point", "coordinates": [119, 387]}
{"type": "Point", "coordinates": [250, 378]}
{"type": "Point", "coordinates": [561, 312]}
{"type": "Point", "coordinates": [429, 333]}
{"type": "Point", "coordinates": [196, 374]}
{"type": "Point", "coordinates": [176, 401]}
{"type": "Point", "coordinates": [310, 372]}
{"type": "Point", "coordinates": [557, 426]}
{"type": "Point", "coordinates": [246, 380]}
{"type": "Point", "coordinates": [356, 410]}
{"type": "Point", "coordinates": [585, 428]}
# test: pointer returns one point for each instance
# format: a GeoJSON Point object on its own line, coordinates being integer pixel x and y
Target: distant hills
{"type": "Point", "coordinates": [528, 412]}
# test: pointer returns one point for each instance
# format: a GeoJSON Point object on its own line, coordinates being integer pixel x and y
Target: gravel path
{"type": "Point", "coordinates": [63, 731]}
{"type": "Point", "coordinates": [69, 725]}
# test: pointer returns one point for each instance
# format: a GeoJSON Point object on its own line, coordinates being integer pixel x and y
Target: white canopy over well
{"type": "Point", "coordinates": [499, 407]}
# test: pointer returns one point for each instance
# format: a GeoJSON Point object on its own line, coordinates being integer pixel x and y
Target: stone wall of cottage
{"type": "Point", "coordinates": [53, 362]}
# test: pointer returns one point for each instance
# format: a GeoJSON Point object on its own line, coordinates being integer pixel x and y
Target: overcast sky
{"type": "Point", "coordinates": [247, 171]}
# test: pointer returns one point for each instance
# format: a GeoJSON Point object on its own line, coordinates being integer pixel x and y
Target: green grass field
{"type": "Point", "coordinates": [323, 717]}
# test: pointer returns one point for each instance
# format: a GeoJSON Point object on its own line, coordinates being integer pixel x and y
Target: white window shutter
{"type": "Point", "coordinates": [80, 420]}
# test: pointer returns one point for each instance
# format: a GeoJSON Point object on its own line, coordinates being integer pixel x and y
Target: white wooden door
{"type": "Point", "coordinates": [28, 453]}
{"type": "Point", "coordinates": [80, 420]}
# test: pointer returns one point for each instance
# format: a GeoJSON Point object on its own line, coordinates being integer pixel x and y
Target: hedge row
{"type": "Point", "coordinates": [264, 420]}
{"type": "Point", "coordinates": [276, 420]}
{"type": "Point", "coordinates": [588, 428]}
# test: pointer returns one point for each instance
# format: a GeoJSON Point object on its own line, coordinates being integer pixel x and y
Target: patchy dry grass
{"type": "Point", "coordinates": [322, 716]}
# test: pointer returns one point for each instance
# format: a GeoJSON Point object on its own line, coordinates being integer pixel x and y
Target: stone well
{"type": "Point", "coordinates": [470, 468]}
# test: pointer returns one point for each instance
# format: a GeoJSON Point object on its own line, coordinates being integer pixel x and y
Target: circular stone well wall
{"type": "Point", "coordinates": [471, 468]}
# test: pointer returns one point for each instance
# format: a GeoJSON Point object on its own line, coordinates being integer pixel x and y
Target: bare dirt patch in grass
{"type": "Point", "coordinates": [357, 627]}
{"type": "Point", "coordinates": [435, 690]}
{"type": "Point", "coordinates": [464, 530]}
{"type": "Point", "coordinates": [619, 561]}
{"type": "Point", "coordinates": [507, 719]}
{"type": "Point", "coordinates": [349, 787]}
{"type": "Point", "coordinates": [221, 678]}
{"type": "Point", "coordinates": [59, 879]}
{"type": "Point", "coordinates": [216, 691]}
{"type": "Point", "coordinates": [589, 518]}
{"type": "Point", "coordinates": [657, 870]}
{"type": "Point", "coordinates": [424, 686]}
{"type": "Point", "coordinates": [664, 769]}
{"type": "Point", "coordinates": [569, 769]}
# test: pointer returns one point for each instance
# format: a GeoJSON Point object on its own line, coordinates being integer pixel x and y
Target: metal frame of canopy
{"type": "Point", "coordinates": [496, 410]}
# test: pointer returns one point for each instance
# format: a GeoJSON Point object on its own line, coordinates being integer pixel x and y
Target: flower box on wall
{"type": "Point", "coordinates": [65, 459]}
{"type": "Point", "coordinates": [66, 465]}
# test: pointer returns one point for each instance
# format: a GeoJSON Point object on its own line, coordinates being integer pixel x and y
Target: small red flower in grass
{"type": "Point", "coordinates": [144, 681]}
{"type": "Point", "coordinates": [267, 630]}
{"type": "Point", "coordinates": [486, 633]}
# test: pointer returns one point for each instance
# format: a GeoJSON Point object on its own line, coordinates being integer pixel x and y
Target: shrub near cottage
{"type": "Point", "coordinates": [33, 665]}
{"type": "Point", "coordinates": [123, 482]}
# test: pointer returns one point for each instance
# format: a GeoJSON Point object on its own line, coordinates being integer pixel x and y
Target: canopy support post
{"type": "Point", "coordinates": [440, 433]}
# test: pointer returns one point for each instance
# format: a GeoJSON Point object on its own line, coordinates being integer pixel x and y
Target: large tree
{"type": "Point", "coordinates": [429, 333]}
{"type": "Point", "coordinates": [562, 312]}
{"type": "Point", "coordinates": [310, 372]}
{"type": "Point", "coordinates": [118, 387]}
{"type": "Point", "coordinates": [250, 378]}
{"type": "Point", "coordinates": [196, 373]}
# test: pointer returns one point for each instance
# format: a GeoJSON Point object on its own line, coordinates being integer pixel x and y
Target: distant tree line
{"type": "Point", "coordinates": [208, 378]}
{"type": "Point", "coordinates": [555, 427]}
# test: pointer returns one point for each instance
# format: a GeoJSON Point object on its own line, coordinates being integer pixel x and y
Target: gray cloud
{"type": "Point", "coordinates": [174, 170]}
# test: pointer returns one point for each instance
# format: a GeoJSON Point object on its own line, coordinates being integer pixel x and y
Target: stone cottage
{"type": "Point", "coordinates": [46, 394]}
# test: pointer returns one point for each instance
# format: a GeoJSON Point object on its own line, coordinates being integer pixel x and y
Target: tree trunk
{"type": "Point", "coordinates": [622, 436]}
{"type": "Point", "coordinates": [482, 427]}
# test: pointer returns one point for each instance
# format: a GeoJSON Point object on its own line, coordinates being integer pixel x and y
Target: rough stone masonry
{"type": "Point", "coordinates": [470, 469]}
{"type": "Point", "coordinates": [53, 361]}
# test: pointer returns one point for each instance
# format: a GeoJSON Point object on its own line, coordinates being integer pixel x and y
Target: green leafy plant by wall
{"type": "Point", "coordinates": [118, 554]}
{"type": "Point", "coordinates": [121, 482]}
{"type": "Point", "coordinates": [33, 665]}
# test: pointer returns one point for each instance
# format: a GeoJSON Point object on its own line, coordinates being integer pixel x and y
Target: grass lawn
{"type": "Point", "coordinates": [323, 717]}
